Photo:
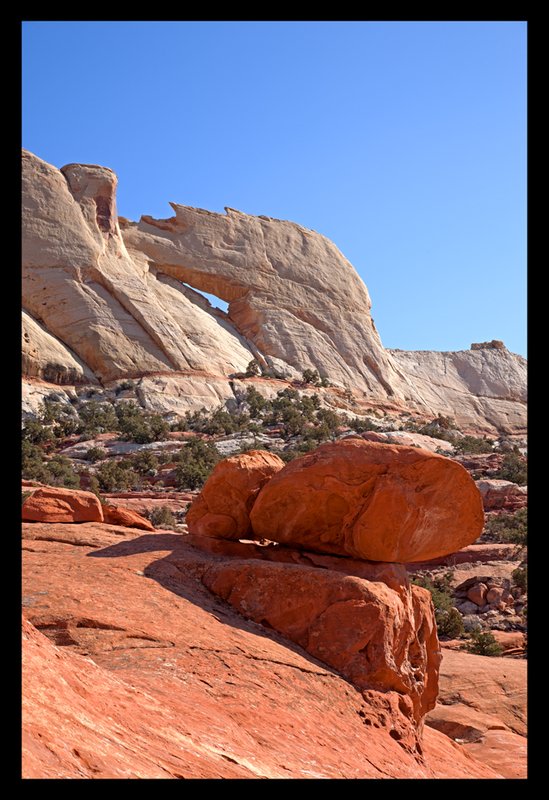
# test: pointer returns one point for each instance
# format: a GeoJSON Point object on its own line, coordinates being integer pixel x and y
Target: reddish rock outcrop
{"type": "Point", "coordinates": [372, 501]}
{"type": "Point", "coordinates": [376, 637]}
{"type": "Point", "coordinates": [62, 505]}
{"type": "Point", "coordinates": [146, 674]}
{"type": "Point", "coordinates": [502, 495]}
{"type": "Point", "coordinates": [117, 515]}
{"type": "Point", "coordinates": [222, 509]}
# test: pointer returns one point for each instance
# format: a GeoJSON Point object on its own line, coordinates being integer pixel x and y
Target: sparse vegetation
{"type": "Point", "coordinates": [513, 469]}
{"type": "Point", "coordinates": [449, 620]}
{"type": "Point", "coordinates": [520, 577]}
{"type": "Point", "coordinates": [115, 476]}
{"type": "Point", "coordinates": [253, 369]}
{"type": "Point", "coordinates": [163, 518]}
{"type": "Point", "coordinates": [195, 461]}
{"type": "Point", "coordinates": [311, 376]}
{"type": "Point", "coordinates": [95, 454]}
{"type": "Point", "coordinates": [507, 528]}
{"type": "Point", "coordinates": [483, 643]}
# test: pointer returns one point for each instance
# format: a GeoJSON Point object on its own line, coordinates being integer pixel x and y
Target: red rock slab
{"type": "Point", "coordinates": [62, 505]}
{"type": "Point", "coordinates": [222, 509]}
{"type": "Point", "coordinates": [500, 495]}
{"type": "Point", "coordinates": [494, 686]}
{"type": "Point", "coordinates": [375, 501]}
{"type": "Point", "coordinates": [363, 629]}
{"type": "Point", "coordinates": [504, 751]}
{"type": "Point", "coordinates": [118, 515]}
{"type": "Point", "coordinates": [181, 685]}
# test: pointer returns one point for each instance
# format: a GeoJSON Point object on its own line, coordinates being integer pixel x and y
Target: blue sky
{"type": "Point", "coordinates": [404, 143]}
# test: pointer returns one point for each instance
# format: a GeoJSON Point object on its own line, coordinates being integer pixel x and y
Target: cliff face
{"type": "Point", "coordinates": [112, 299]}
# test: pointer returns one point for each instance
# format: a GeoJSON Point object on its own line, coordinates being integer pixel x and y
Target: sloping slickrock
{"type": "Point", "coordinates": [112, 298]}
{"type": "Point", "coordinates": [118, 515]}
{"type": "Point", "coordinates": [222, 509]}
{"type": "Point", "coordinates": [504, 751]}
{"type": "Point", "coordinates": [120, 317]}
{"type": "Point", "coordinates": [147, 674]}
{"type": "Point", "coordinates": [62, 505]}
{"type": "Point", "coordinates": [374, 501]}
{"type": "Point", "coordinates": [489, 685]}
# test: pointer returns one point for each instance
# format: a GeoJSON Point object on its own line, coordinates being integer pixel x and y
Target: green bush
{"type": "Point", "coordinates": [483, 643]}
{"type": "Point", "coordinates": [140, 426]}
{"type": "Point", "coordinates": [513, 469]}
{"type": "Point", "coordinates": [255, 401]}
{"type": "Point", "coordinates": [196, 459]}
{"type": "Point", "coordinates": [311, 376]}
{"type": "Point", "coordinates": [62, 473]}
{"type": "Point", "coordinates": [115, 476]}
{"type": "Point", "coordinates": [144, 462]}
{"type": "Point", "coordinates": [507, 528]}
{"type": "Point", "coordinates": [58, 471]}
{"type": "Point", "coordinates": [450, 623]}
{"type": "Point", "coordinates": [472, 444]}
{"type": "Point", "coordinates": [253, 369]}
{"type": "Point", "coordinates": [443, 602]}
{"type": "Point", "coordinates": [95, 454]}
{"type": "Point", "coordinates": [520, 578]}
{"type": "Point", "coordinates": [163, 518]}
{"type": "Point", "coordinates": [97, 418]}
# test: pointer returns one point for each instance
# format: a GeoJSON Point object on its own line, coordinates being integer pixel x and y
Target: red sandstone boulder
{"type": "Point", "coordinates": [477, 594]}
{"type": "Point", "coordinates": [222, 509]}
{"type": "Point", "coordinates": [50, 504]}
{"type": "Point", "coordinates": [373, 501]}
{"type": "Point", "coordinates": [116, 515]}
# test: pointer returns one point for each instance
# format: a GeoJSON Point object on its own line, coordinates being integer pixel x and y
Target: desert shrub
{"type": "Point", "coordinates": [35, 432]}
{"type": "Point", "coordinates": [144, 462]}
{"type": "Point", "coordinates": [324, 382]}
{"type": "Point", "coordinates": [472, 444]}
{"type": "Point", "coordinates": [289, 453]}
{"type": "Point", "coordinates": [95, 454]}
{"type": "Point", "coordinates": [507, 528]}
{"type": "Point", "coordinates": [162, 517]}
{"type": "Point", "coordinates": [61, 473]}
{"type": "Point", "coordinates": [255, 401]}
{"type": "Point", "coordinates": [196, 459]}
{"type": "Point", "coordinates": [97, 418]}
{"type": "Point", "coordinates": [94, 485]}
{"type": "Point", "coordinates": [140, 426]}
{"type": "Point", "coordinates": [311, 376]}
{"type": "Point", "coordinates": [253, 369]}
{"type": "Point", "coordinates": [483, 643]}
{"type": "Point", "coordinates": [520, 577]}
{"type": "Point", "coordinates": [124, 386]}
{"type": "Point", "coordinates": [115, 476]}
{"type": "Point", "coordinates": [330, 418]}
{"type": "Point", "coordinates": [443, 603]}
{"type": "Point", "coordinates": [513, 469]}
{"type": "Point", "coordinates": [450, 623]}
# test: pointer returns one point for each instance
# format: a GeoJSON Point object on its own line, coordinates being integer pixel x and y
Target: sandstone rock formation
{"type": "Point", "coordinates": [144, 673]}
{"type": "Point", "coordinates": [61, 505]}
{"type": "Point", "coordinates": [118, 515]}
{"type": "Point", "coordinates": [223, 506]}
{"type": "Point", "coordinates": [373, 501]}
{"type": "Point", "coordinates": [500, 495]}
{"type": "Point", "coordinates": [105, 298]}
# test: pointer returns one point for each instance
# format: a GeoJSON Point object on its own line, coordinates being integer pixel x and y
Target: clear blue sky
{"type": "Point", "coordinates": [405, 143]}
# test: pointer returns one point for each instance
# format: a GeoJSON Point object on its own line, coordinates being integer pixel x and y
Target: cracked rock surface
{"type": "Point", "coordinates": [133, 668]}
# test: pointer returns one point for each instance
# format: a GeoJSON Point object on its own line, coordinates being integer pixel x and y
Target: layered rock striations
{"type": "Point", "coordinates": [105, 299]}
{"type": "Point", "coordinates": [145, 673]}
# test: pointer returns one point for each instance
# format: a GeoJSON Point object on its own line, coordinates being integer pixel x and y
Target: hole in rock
{"type": "Point", "coordinates": [216, 302]}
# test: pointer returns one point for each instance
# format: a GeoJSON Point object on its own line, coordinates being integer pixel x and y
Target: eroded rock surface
{"type": "Point", "coordinates": [145, 673]}
{"type": "Point", "coordinates": [106, 298]}
{"type": "Point", "coordinates": [222, 509]}
{"type": "Point", "coordinates": [49, 504]}
{"type": "Point", "coordinates": [374, 501]}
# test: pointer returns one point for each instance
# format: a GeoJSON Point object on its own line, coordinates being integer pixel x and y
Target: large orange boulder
{"type": "Point", "coordinates": [50, 504]}
{"type": "Point", "coordinates": [222, 509]}
{"type": "Point", "coordinates": [116, 515]}
{"type": "Point", "coordinates": [375, 501]}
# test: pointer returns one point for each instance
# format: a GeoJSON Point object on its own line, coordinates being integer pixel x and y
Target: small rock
{"type": "Point", "coordinates": [477, 594]}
